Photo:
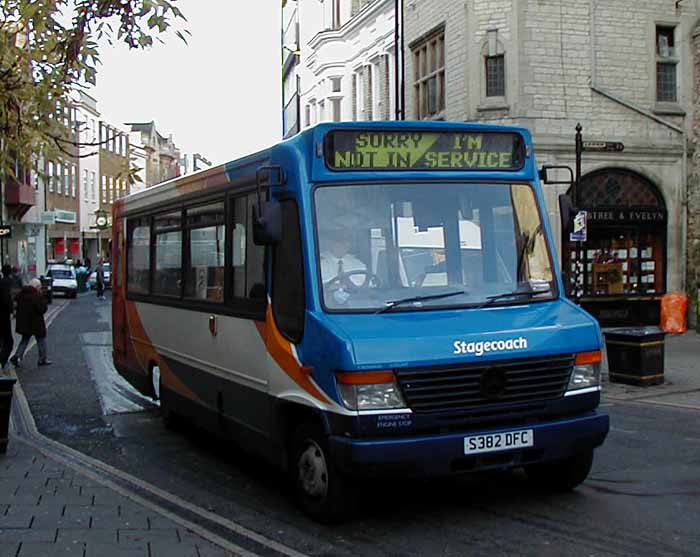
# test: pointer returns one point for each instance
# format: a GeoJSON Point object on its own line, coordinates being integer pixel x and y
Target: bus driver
{"type": "Point", "coordinates": [337, 261]}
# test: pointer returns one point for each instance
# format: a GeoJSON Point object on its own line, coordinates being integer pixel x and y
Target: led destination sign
{"type": "Point", "coordinates": [419, 150]}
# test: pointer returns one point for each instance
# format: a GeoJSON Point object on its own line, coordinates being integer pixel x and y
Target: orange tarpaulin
{"type": "Point", "coordinates": [674, 308]}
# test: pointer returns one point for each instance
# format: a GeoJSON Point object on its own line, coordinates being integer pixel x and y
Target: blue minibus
{"type": "Point", "coordinates": [365, 299]}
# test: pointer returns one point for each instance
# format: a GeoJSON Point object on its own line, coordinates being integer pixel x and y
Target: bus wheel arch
{"type": "Point", "coordinates": [320, 488]}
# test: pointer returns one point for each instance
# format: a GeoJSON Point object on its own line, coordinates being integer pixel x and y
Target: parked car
{"type": "Point", "coordinates": [92, 281]}
{"type": "Point", "coordinates": [64, 279]}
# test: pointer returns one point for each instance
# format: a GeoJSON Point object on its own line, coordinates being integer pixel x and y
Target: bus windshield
{"type": "Point", "coordinates": [448, 245]}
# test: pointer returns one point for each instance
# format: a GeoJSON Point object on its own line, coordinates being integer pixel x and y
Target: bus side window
{"type": "Point", "coordinates": [247, 259]}
{"type": "Point", "coordinates": [288, 295]}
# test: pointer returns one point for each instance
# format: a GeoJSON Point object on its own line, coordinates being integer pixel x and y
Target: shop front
{"type": "Point", "coordinates": [621, 271]}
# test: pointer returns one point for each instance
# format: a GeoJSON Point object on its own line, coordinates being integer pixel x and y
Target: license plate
{"type": "Point", "coordinates": [498, 441]}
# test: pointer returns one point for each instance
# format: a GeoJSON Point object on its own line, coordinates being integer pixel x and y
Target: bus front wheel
{"type": "Point", "coordinates": [321, 490]}
{"type": "Point", "coordinates": [561, 475]}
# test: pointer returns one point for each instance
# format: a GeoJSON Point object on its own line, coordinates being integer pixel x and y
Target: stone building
{"type": "Point", "coordinates": [163, 157]}
{"type": "Point", "coordinates": [622, 70]}
{"type": "Point", "coordinates": [694, 187]}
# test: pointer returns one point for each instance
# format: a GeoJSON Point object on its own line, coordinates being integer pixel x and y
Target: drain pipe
{"type": "Point", "coordinates": [670, 125]}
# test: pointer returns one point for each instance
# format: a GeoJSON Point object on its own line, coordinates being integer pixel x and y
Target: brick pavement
{"type": "Point", "coordinates": [50, 510]}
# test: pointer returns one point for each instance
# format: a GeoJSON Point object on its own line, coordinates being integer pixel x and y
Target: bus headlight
{"type": "Point", "coordinates": [373, 390]}
{"type": "Point", "coordinates": [586, 372]}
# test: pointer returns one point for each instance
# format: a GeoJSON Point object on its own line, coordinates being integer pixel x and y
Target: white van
{"type": "Point", "coordinates": [64, 279]}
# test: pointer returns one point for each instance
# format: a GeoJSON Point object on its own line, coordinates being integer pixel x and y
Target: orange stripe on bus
{"type": "Point", "coordinates": [145, 353]}
{"type": "Point", "coordinates": [281, 351]}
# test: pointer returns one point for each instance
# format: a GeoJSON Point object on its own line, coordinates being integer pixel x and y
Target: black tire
{"type": "Point", "coordinates": [320, 489]}
{"type": "Point", "coordinates": [561, 475]}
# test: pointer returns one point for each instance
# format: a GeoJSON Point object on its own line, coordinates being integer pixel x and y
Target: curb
{"type": "Point", "coordinates": [23, 429]}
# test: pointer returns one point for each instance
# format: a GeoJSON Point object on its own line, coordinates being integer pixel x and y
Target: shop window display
{"type": "Point", "coordinates": [621, 267]}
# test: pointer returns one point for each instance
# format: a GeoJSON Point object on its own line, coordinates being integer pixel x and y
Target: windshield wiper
{"type": "Point", "coordinates": [530, 293]}
{"type": "Point", "coordinates": [393, 303]}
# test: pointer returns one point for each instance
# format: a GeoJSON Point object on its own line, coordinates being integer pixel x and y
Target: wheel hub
{"type": "Point", "coordinates": [313, 471]}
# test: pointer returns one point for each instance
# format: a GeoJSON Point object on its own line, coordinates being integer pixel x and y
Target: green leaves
{"type": "Point", "coordinates": [48, 48]}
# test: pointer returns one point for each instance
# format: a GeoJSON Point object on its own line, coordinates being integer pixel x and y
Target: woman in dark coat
{"type": "Point", "coordinates": [31, 308]}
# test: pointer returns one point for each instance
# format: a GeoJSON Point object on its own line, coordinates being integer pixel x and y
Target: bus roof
{"type": "Point", "coordinates": [308, 152]}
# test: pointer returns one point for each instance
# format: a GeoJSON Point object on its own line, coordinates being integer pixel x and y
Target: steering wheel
{"type": "Point", "coordinates": [344, 279]}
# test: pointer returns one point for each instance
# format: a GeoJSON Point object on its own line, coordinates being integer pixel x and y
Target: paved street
{"type": "Point", "coordinates": [641, 498]}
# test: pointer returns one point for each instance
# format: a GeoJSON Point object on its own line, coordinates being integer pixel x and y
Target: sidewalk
{"type": "Point", "coordinates": [50, 509]}
{"type": "Point", "coordinates": [681, 385]}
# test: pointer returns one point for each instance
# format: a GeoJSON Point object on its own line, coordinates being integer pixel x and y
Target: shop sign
{"type": "Point", "coordinates": [68, 217]}
{"type": "Point", "coordinates": [5, 232]}
{"type": "Point", "coordinates": [580, 230]}
{"type": "Point", "coordinates": [626, 215]}
{"type": "Point", "coordinates": [48, 217]}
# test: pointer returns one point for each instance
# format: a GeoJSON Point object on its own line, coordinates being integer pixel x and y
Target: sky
{"type": "Point", "coordinates": [219, 96]}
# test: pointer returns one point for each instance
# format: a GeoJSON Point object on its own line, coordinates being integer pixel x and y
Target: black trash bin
{"type": "Point", "coordinates": [6, 388]}
{"type": "Point", "coordinates": [636, 355]}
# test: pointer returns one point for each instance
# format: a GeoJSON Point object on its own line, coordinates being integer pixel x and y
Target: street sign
{"type": "Point", "coordinates": [605, 146]}
{"type": "Point", "coordinates": [48, 217]}
{"type": "Point", "coordinates": [579, 233]}
{"type": "Point", "coordinates": [5, 231]}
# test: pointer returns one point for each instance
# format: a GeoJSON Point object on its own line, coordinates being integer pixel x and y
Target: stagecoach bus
{"type": "Point", "coordinates": [364, 299]}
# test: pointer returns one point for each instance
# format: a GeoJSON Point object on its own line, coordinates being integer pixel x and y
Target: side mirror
{"type": "Point", "coordinates": [267, 223]}
{"type": "Point", "coordinates": [544, 174]}
{"type": "Point", "coordinates": [566, 213]}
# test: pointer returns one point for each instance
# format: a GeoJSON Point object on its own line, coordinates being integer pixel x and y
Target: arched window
{"type": "Point", "coordinates": [624, 255]}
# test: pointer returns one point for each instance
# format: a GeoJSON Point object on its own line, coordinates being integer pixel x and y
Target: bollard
{"type": "Point", "coordinates": [6, 388]}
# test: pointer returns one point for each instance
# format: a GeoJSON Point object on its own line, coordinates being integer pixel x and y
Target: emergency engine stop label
{"type": "Point", "coordinates": [418, 150]}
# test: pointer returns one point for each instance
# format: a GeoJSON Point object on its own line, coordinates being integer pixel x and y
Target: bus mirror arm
{"type": "Point", "coordinates": [267, 223]}
{"type": "Point", "coordinates": [543, 173]}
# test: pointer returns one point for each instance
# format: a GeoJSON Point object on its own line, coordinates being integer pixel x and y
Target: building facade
{"type": "Point", "coordinates": [62, 196]}
{"type": "Point", "coordinates": [694, 187]}
{"type": "Point", "coordinates": [88, 187]}
{"type": "Point", "coordinates": [163, 157]}
{"type": "Point", "coordinates": [338, 62]}
{"type": "Point", "coordinates": [114, 177]}
{"type": "Point", "coordinates": [620, 69]}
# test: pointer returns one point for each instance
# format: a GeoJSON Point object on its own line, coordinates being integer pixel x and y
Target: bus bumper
{"type": "Point", "coordinates": [443, 454]}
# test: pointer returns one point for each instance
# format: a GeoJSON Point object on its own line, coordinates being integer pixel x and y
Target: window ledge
{"type": "Point", "coordinates": [500, 104]}
{"type": "Point", "coordinates": [668, 108]}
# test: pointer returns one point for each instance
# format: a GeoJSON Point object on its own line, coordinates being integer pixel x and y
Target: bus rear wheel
{"type": "Point", "coordinates": [561, 475]}
{"type": "Point", "coordinates": [320, 489]}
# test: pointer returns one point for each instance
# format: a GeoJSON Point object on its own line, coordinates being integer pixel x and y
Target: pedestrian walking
{"type": "Point", "coordinates": [31, 308]}
{"type": "Point", "coordinates": [6, 308]}
{"type": "Point", "coordinates": [100, 279]}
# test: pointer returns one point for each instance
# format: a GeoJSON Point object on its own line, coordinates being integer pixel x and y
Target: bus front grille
{"type": "Point", "coordinates": [499, 383]}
